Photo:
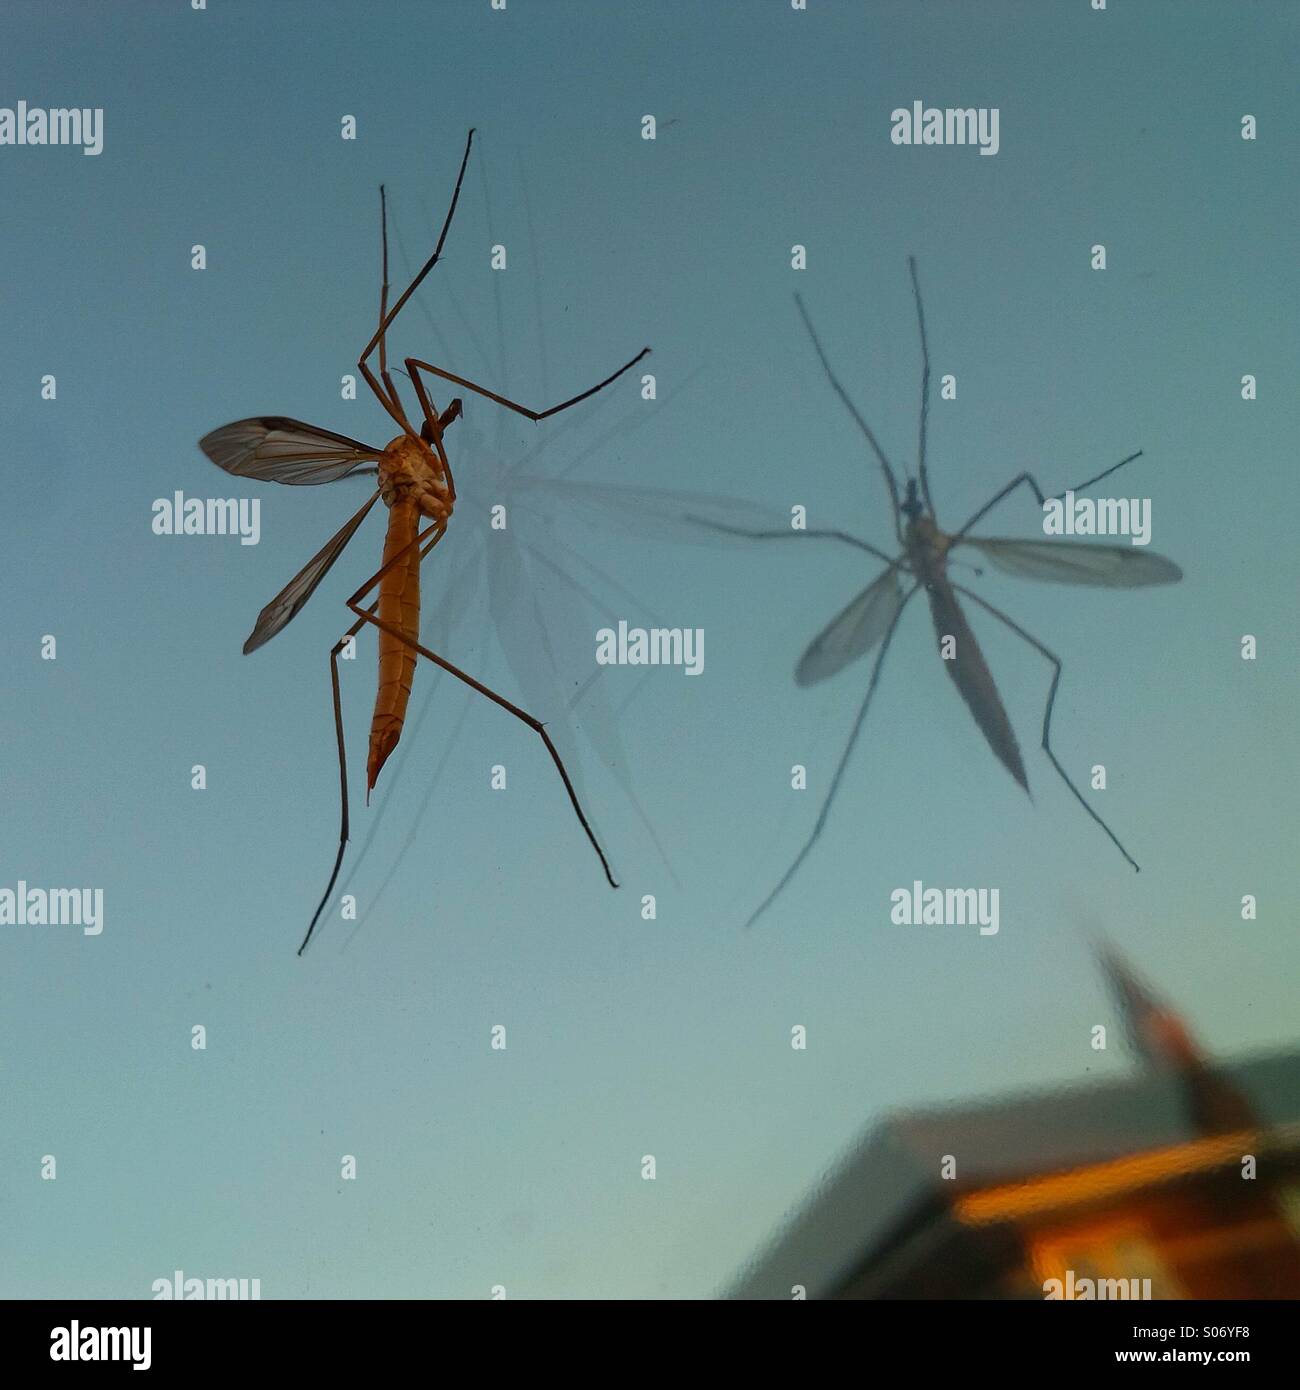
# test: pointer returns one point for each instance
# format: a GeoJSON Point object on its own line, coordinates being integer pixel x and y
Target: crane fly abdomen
{"type": "Point", "coordinates": [413, 484]}
{"type": "Point", "coordinates": [927, 550]}
{"type": "Point", "coordinates": [399, 608]}
{"type": "Point", "coordinates": [971, 675]}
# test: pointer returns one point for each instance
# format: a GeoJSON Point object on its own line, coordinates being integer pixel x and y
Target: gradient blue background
{"type": "Point", "coordinates": [626, 1037]}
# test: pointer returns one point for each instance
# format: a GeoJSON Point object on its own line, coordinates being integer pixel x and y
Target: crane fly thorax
{"type": "Point", "coordinates": [927, 549]}
{"type": "Point", "coordinates": [409, 470]}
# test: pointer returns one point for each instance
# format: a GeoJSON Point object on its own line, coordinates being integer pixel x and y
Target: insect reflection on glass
{"type": "Point", "coordinates": [872, 618]}
{"type": "Point", "coordinates": [415, 482]}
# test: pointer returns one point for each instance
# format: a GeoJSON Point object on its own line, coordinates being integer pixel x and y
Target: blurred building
{"type": "Point", "coordinates": [1182, 1182]}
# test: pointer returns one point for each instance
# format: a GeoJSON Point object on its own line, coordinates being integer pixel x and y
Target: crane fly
{"type": "Point", "coordinates": [872, 618]}
{"type": "Point", "coordinates": [527, 597]}
{"type": "Point", "coordinates": [415, 482]}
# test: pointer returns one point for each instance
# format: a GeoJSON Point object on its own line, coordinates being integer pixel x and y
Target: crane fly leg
{"type": "Point", "coordinates": [383, 308]}
{"type": "Point", "coordinates": [383, 288]}
{"type": "Point", "coordinates": [437, 531]}
{"type": "Point", "coordinates": [370, 616]}
{"type": "Point", "coordinates": [534, 724]}
{"type": "Point", "coordinates": [891, 481]}
{"type": "Point", "coordinates": [843, 763]}
{"type": "Point", "coordinates": [1030, 481]}
{"type": "Point", "coordinates": [440, 423]}
{"type": "Point", "coordinates": [338, 737]}
{"type": "Point", "coordinates": [343, 777]}
{"type": "Point", "coordinates": [414, 366]}
{"type": "Point", "coordinates": [387, 394]}
{"type": "Point", "coordinates": [393, 405]}
{"type": "Point", "coordinates": [814, 535]}
{"type": "Point", "coordinates": [925, 387]}
{"type": "Point", "coordinates": [434, 424]}
{"type": "Point", "coordinates": [1047, 712]}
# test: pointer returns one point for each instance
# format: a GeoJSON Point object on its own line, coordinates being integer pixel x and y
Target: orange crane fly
{"type": "Point", "coordinates": [416, 484]}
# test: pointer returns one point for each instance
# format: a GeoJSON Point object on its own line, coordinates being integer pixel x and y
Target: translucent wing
{"type": "Point", "coordinates": [654, 513]}
{"type": "Point", "coordinates": [540, 651]}
{"type": "Point", "coordinates": [854, 632]}
{"type": "Point", "coordinates": [275, 449]}
{"type": "Point", "coordinates": [1079, 562]}
{"type": "Point", "coordinates": [300, 588]}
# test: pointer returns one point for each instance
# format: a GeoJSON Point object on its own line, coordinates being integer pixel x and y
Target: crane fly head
{"type": "Point", "coordinates": [453, 412]}
{"type": "Point", "coordinates": [912, 506]}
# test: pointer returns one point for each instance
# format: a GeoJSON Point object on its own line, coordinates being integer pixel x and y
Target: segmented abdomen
{"type": "Point", "coordinates": [399, 607]}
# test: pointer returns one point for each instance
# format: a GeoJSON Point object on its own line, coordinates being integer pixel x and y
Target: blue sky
{"type": "Point", "coordinates": [626, 1037]}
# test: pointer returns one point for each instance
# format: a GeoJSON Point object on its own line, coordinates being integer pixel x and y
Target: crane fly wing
{"type": "Point", "coordinates": [275, 449]}
{"type": "Point", "coordinates": [853, 632]}
{"type": "Point", "coordinates": [300, 588]}
{"type": "Point", "coordinates": [692, 518]}
{"type": "Point", "coordinates": [1078, 562]}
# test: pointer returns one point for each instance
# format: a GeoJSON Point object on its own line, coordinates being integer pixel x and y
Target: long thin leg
{"type": "Point", "coordinates": [453, 412]}
{"type": "Point", "coordinates": [413, 828]}
{"type": "Point", "coordinates": [465, 328]}
{"type": "Point", "coordinates": [1028, 478]}
{"type": "Point", "coordinates": [815, 535]}
{"type": "Point", "coordinates": [387, 395]}
{"type": "Point", "coordinates": [375, 833]}
{"type": "Point", "coordinates": [370, 616]}
{"type": "Point", "coordinates": [467, 331]}
{"type": "Point", "coordinates": [891, 482]}
{"type": "Point", "coordinates": [383, 290]}
{"type": "Point", "coordinates": [925, 386]}
{"type": "Point", "coordinates": [410, 290]}
{"type": "Point", "coordinates": [343, 778]}
{"type": "Point", "coordinates": [632, 420]}
{"type": "Point", "coordinates": [434, 424]}
{"type": "Point", "coordinates": [534, 724]}
{"type": "Point", "coordinates": [383, 336]}
{"type": "Point", "coordinates": [579, 695]}
{"type": "Point", "coordinates": [343, 766]}
{"type": "Point", "coordinates": [843, 763]}
{"type": "Point", "coordinates": [1047, 713]}
{"type": "Point", "coordinates": [415, 366]}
